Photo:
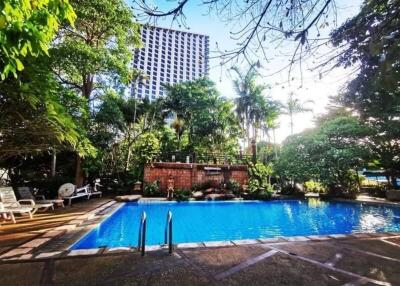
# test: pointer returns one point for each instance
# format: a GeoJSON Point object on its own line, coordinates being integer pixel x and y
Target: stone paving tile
{"type": "Point", "coordinates": [118, 250]}
{"type": "Point", "coordinates": [217, 260]}
{"type": "Point", "coordinates": [36, 242]}
{"type": "Point", "coordinates": [338, 236]}
{"type": "Point", "coordinates": [25, 256]}
{"type": "Point", "coordinates": [83, 252]}
{"type": "Point", "coordinates": [125, 269]}
{"type": "Point", "coordinates": [48, 254]}
{"type": "Point", "coordinates": [245, 241]}
{"type": "Point", "coordinates": [273, 239]}
{"type": "Point", "coordinates": [320, 251]}
{"type": "Point", "coordinates": [281, 269]}
{"type": "Point", "coordinates": [297, 238]}
{"type": "Point", "coordinates": [53, 233]}
{"type": "Point", "coordinates": [190, 245]}
{"type": "Point", "coordinates": [15, 252]}
{"type": "Point", "coordinates": [371, 266]}
{"type": "Point", "coordinates": [376, 246]}
{"type": "Point", "coordinates": [217, 243]}
{"type": "Point", "coordinates": [154, 247]}
{"type": "Point", "coordinates": [66, 227]}
{"type": "Point", "coordinates": [318, 237]}
{"type": "Point", "coordinates": [360, 235]}
{"type": "Point", "coordinates": [21, 274]}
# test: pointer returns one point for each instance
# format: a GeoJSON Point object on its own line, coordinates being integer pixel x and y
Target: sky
{"type": "Point", "coordinates": [312, 88]}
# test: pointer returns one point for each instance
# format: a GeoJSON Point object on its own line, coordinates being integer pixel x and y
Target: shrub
{"type": "Point", "coordinates": [152, 189]}
{"type": "Point", "coordinates": [233, 186]}
{"type": "Point", "coordinates": [314, 187]}
{"type": "Point", "coordinates": [258, 174]}
{"type": "Point", "coordinates": [182, 195]}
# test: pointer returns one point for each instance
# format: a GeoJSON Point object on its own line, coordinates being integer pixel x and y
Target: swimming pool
{"type": "Point", "coordinates": [216, 221]}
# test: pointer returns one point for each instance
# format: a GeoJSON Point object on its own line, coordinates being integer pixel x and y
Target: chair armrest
{"type": "Point", "coordinates": [31, 202]}
{"type": "Point", "coordinates": [81, 190]}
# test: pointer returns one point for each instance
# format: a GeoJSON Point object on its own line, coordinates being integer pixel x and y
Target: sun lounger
{"type": "Point", "coordinates": [95, 191]}
{"type": "Point", "coordinates": [69, 192]}
{"type": "Point", "coordinates": [11, 205]}
{"type": "Point", "coordinates": [25, 193]}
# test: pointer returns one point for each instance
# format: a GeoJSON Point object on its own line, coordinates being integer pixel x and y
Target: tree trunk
{"type": "Point", "coordinates": [53, 162]}
{"type": "Point", "coordinates": [78, 171]}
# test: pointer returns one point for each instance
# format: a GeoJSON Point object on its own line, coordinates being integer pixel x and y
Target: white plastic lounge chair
{"type": "Point", "coordinates": [25, 194]}
{"type": "Point", "coordinates": [95, 191]}
{"type": "Point", "coordinates": [11, 204]}
{"type": "Point", "coordinates": [69, 192]}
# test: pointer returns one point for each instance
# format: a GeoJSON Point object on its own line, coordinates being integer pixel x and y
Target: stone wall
{"type": "Point", "coordinates": [186, 175]}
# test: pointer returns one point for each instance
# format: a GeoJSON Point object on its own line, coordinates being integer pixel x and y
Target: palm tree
{"type": "Point", "coordinates": [294, 106]}
{"type": "Point", "coordinates": [253, 109]}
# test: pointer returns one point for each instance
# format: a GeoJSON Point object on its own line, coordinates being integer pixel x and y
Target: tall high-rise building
{"type": "Point", "coordinates": [168, 56]}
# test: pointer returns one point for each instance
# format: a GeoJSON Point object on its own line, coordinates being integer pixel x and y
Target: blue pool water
{"type": "Point", "coordinates": [215, 221]}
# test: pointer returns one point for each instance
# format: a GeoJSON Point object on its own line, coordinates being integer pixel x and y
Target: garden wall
{"type": "Point", "coordinates": [188, 174]}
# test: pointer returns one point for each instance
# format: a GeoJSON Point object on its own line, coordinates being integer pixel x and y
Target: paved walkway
{"type": "Point", "coordinates": [359, 260]}
{"type": "Point", "coordinates": [12, 235]}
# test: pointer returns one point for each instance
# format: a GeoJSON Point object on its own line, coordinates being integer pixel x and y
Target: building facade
{"type": "Point", "coordinates": [168, 56]}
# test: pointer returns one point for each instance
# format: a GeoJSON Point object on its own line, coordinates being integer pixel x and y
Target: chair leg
{"type": "Point", "coordinates": [12, 217]}
{"type": "Point", "coordinates": [31, 215]}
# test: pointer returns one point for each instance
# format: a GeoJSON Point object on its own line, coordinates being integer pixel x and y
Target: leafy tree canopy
{"type": "Point", "coordinates": [371, 41]}
{"type": "Point", "coordinates": [27, 28]}
{"type": "Point", "coordinates": [330, 153]}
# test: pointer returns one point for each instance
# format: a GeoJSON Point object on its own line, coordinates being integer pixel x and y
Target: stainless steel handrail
{"type": "Point", "coordinates": [168, 232]}
{"type": "Point", "coordinates": [142, 234]}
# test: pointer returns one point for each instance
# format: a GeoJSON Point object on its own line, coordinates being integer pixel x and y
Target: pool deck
{"type": "Point", "coordinates": [34, 252]}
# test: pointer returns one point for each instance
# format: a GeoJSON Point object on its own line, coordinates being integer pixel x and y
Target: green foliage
{"type": "Point", "coordinates": [203, 115]}
{"type": "Point", "coordinates": [371, 42]}
{"type": "Point", "coordinates": [329, 154]}
{"type": "Point", "coordinates": [37, 114]}
{"type": "Point", "coordinates": [182, 195]}
{"type": "Point", "coordinates": [258, 177]}
{"type": "Point", "coordinates": [152, 189]}
{"type": "Point", "coordinates": [27, 29]}
{"type": "Point", "coordinates": [97, 53]}
{"type": "Point", "coordinates": [254, 110]}
{"type": "Point", "coordinates": [314, 187]}
{"type": "Point", "coordinates": [146, 148]}
{"type": "Point", "coordinates": [233, 186]}
{"type": "Point", "coordinates": [128, 133]}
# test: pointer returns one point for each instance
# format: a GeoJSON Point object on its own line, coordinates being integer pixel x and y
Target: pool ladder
{"type": "Point", "coordinates": [142, 233]}
{"type": "Point", "coordinates": [168, 232]}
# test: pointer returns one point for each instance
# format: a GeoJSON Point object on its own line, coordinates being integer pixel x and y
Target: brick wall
{"type": "Point", "coordinates": [186, 175]}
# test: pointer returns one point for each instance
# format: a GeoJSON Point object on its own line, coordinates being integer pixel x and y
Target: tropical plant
{"type": "Point", "coordinates": [203, 116]}
{"type": "Point", "coordinates": [330, 154]}
{"type": "Point", "coordinates": [314, 187]}
{"type": "Point", "coordinates": [95, 55]}
{"type": "Point", "coordinates": [369, 44]}
{"type": "Point", "coordinates": [152, 189]}
{"type": "Point", "coordinates": [259, 178]}
{"type": "Point", "coordinates": [293, 107]}
{"type": "Point", "coordinates": [182, 195]}
{"type": "Point", "coordinates": [254, 110]}
{"type": "Point", "coordinates": [233, 186]}
{"type": "Point", "coordinates": [27, 29]}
